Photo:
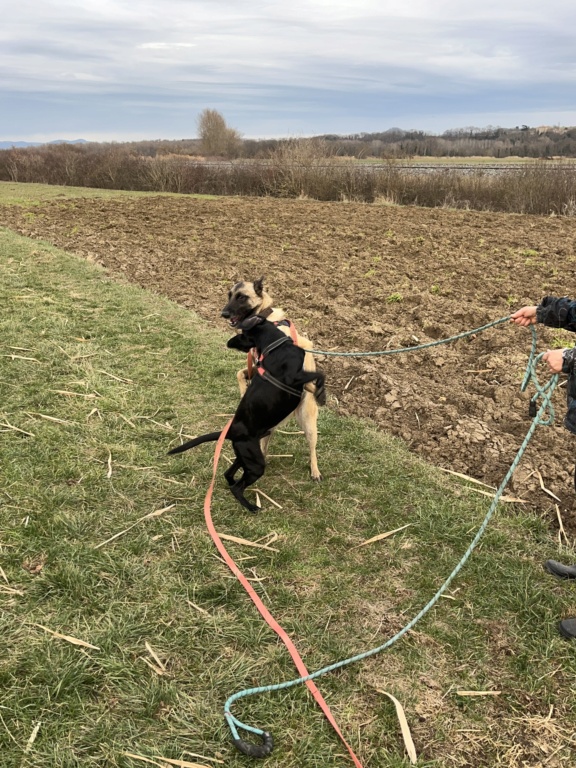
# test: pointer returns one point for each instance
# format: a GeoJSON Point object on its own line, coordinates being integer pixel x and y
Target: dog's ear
{"type": "Point", "coordinates": [233, 342]}
{"type": "Point", "coordinates": [251, 322]}
{"type": "Point", "coordinates": [259, 286]}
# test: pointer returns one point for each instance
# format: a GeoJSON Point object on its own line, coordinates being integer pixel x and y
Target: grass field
{"type": "Point", "coordinates": [98, 380]}
{"type": "Point", "coordinates": [26, 194]}
{"type": "Point", "coordinates": [481, 160]}
{"type": "Point", "coordinates": [14, 193]}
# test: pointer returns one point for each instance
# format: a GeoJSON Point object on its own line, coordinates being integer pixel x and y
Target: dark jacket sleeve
{"type": "Point", "coordinates": [568, 366]}
{"type": "Point", "coordinates": [569, 360]}
{"type": "Point", "coordinates": [557, 312]}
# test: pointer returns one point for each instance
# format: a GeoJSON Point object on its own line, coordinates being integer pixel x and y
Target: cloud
{"type": "Point", "coordinates": [165, 46]}
{"type": "Point", "coordinates": [337, 61]}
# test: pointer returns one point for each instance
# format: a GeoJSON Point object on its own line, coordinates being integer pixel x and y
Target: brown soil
{"type": "Point", "coordinates": [360, 277]}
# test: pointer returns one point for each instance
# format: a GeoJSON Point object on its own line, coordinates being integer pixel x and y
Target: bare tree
{"type": "Point", "coordinates": [216, 137]}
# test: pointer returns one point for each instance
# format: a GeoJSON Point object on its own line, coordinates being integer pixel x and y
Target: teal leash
{"type": "Point", "coordinates": [530, 376]}
{"type": "Point", "coordinates": [428, 344]}
{"type": "Point", "coordinates": [543, 392]}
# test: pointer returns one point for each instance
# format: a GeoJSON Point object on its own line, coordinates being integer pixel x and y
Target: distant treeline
{"type": "Point", "coordinates": [543, 142]}
{"type": "Point", "coordinates": [395, 143]}
{"type": "Point", "coordinates": [297, 168]}
{"type": "Point", "coordinates": [538, 143]}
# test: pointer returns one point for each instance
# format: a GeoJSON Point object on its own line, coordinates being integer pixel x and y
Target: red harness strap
{"type": "Point", "coordinates": [270, 620]}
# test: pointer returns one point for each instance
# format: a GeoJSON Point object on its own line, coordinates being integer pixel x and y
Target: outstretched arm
{"type": "Point", "coordinates": [557, 312]}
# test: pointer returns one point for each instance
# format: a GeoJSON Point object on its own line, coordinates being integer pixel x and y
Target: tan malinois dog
{"type": "Point", "coordinates": [247, 299]}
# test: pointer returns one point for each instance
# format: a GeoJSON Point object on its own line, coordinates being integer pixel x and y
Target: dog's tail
{"type": "Point", "coordinates": [320, 393]}
{"type": "Point", "coordinates": [319, 390]}
{"type": "Point", "coordinates": [210, 437]}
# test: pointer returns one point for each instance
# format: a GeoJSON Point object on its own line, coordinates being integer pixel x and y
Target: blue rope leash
{"type": "Point", "coordinates": [543, 392]}
{"type": "Point", "coordinates": [428, 344]}
{"type": "Point", "coordinates": [530, 376]}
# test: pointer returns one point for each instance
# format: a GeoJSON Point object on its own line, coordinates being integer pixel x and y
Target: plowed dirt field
{"type": "Point", "coordinates": [368, 277]}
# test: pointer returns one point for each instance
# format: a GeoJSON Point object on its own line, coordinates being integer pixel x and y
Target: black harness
{"type": "Point", "coordinates": [267, 376]}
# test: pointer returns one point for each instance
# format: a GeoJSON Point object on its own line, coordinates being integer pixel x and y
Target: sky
{"type": "Point", "coordinates": [128, 70]}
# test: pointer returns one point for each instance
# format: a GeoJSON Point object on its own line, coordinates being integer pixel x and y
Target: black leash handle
{"type": "Point", "coordinates": [256, 750]}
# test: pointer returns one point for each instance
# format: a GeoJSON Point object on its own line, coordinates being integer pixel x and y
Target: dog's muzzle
{"type": "Point", "coordinates": [233, 320]}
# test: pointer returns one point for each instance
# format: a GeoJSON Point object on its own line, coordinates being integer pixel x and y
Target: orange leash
{"type": "Point", "coordinates": [265, 613]}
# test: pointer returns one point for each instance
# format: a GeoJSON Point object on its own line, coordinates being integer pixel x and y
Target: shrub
{"type": "Point", "coordinates": [305, 168]}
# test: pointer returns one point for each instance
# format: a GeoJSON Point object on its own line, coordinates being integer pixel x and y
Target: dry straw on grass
{"type": "Point", "coordinates": [382, 536]}
{"type": "Point", "coordinates": [260, 491]}
{"type": "Point", "coordinates": [32, 738]}
{"type": "Point", "coordinates": [546, 490]}
{"type": "Point", "coordinates": [149, 516]}
{"type": "Point", "coordinates": [7, 427]}
{"type": "Point", "coordinates": [67, 638]}
{"type": "Point", "coordinates": [478, 693]}
{"type": "Point", "coordinates": [404, 727]}
{"type": "Point", "coordinates": [165, 761]}
{"type": "Point", "coordinates": [246, 543]}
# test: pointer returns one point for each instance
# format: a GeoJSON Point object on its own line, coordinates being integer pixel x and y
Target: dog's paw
{"type": "Point", "coordinates": [316, 476]}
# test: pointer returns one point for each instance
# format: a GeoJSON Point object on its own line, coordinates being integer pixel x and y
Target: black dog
{"type": "Point", "coordinates": [271, 397]}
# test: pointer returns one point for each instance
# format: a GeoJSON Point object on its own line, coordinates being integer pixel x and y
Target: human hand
{"type": "Point", "coordinates": [524, 317]}
{"type": "Point", "coordinates": [554, 358]}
